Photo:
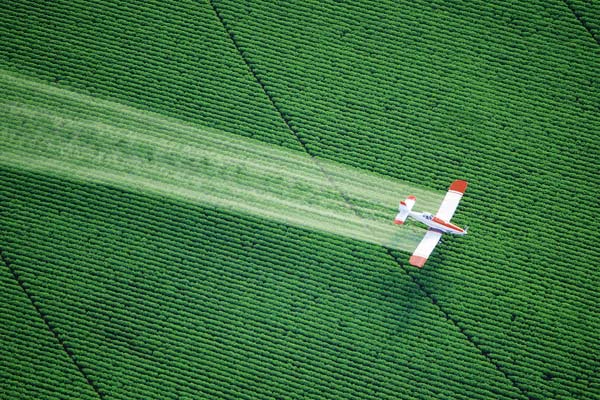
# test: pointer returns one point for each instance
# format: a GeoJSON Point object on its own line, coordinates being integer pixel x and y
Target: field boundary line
{"type": "Point", "coordinates": [582, 22]}
{"type": "Point", "coordinates": [450, 319]}
{"type": "Point", "coordinates": [50, 327]}
{"type": "Point", "coordinates": [354, 209]}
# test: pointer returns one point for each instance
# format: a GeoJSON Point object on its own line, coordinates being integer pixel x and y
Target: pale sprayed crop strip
{"type": "Point", "coordinates": [45, 128]}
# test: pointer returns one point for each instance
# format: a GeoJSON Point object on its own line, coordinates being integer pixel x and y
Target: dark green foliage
{"type": "Point", "coordinates": [587, 13]}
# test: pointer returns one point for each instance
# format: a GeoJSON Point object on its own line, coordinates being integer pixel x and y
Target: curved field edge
{"type": "Point", "coordinates": [33, 364]}
{"type": "Point", "coordinates": [587, 13]}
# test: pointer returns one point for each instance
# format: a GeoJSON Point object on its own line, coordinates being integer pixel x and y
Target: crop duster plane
{"type": "Point", "coordinates": [438, 224]}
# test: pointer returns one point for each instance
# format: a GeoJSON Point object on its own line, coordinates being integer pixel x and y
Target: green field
{"type": "Point", "coordinates": [157, 161]}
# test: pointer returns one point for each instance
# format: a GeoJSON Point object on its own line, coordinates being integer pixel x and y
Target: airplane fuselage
{"type": "Point", "coordinates": [436, 223]}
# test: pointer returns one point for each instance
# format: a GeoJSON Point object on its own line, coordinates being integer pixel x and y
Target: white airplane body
{"type": "Point", "coordinates": [438, 224]}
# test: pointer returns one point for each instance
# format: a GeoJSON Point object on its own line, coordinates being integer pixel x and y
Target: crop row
{"type": "Point", "coordinates": [389, 41]}
{"type": "Point", "coordinates": [285, 255]}
{"type": "Point", "coordinates": [323, 127]}
{"type": "Point", "coordinates": [468, 95]}
{"type": "Point", "coordinates": [185, 251]}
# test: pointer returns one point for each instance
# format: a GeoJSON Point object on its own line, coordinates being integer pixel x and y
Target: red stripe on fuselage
{"type": "Point", "coordinates": [447, 224]}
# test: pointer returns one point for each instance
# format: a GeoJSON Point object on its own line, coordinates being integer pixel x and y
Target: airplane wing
{"type": "Point", "coordinates": [450, 202]}
{"type": "Point", "coordinates": [424, 249]}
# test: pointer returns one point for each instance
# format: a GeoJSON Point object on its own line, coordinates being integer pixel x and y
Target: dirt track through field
{"type": "Point", "coordinates": [45, 128]}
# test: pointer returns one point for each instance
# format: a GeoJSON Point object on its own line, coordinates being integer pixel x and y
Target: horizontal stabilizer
{"type": "Point", "coordinates": [404, 209]}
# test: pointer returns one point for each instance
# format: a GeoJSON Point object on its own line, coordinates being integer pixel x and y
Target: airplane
{"type": "Point", "coordinates": [438, 224]}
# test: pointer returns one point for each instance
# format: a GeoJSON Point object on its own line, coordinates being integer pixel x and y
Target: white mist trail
{"type": "Point", "coordinates": [48, 129]}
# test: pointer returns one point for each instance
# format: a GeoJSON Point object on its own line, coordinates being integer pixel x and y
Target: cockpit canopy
{"type": "Point", "coordinates": [427, 216]}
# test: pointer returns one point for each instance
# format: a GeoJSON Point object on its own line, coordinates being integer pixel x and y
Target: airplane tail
{"type": "Point", "coordinates": [404, 209]}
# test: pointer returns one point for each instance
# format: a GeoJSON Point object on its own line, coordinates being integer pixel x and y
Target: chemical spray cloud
{"type": "Point", "coordinates": [45, 128]}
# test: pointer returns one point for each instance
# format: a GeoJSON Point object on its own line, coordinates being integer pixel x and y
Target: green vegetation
{"type": "Point", "coordinates": [162, 297]}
